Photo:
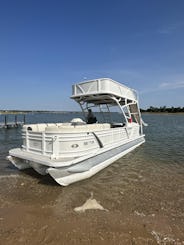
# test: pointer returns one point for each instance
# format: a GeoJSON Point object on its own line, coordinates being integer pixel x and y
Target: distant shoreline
{"type": "Point", "coordinates": [162, 113]}
{"type": "Point", "coordinates": [4, 112]}
{"type": "Point", "coordinates": [33, 111]}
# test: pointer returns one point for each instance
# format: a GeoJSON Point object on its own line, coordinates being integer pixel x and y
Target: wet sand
{"type": "Point", "coordinates": [143, 193]}
{"type": "Point", "coordinates": [141, 207]}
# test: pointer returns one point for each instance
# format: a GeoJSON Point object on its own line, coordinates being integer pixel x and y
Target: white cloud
{"type": "Point", "coordinates": [171, 85]}
{"type": "Point", "coordinates": [171, 28]}
{"type": "Point", "coordinates": [164, 86]}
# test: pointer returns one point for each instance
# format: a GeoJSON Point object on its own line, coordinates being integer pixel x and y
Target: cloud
{"type": "Point", "coordinates": [164, 86]}
{"type": "Point", "coordinates": [171, 85]}
{"type": "Point", "coordinates": [169, 29]}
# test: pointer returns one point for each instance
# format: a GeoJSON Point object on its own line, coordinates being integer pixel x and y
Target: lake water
{"type": "Point", "coordinates": [143, 193]}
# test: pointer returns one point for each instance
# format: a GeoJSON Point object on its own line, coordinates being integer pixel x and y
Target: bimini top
{"type": "Point", "coordinates": [102, 91]}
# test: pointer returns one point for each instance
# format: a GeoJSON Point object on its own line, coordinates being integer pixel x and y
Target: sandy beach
{"type": "Point", "coordinates": [140, 198]}
{"type": "Point", "coordinates": [35, 210]}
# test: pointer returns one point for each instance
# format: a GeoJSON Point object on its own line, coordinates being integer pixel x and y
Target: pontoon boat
{"type": "Point", "coordinates": [74, 151]}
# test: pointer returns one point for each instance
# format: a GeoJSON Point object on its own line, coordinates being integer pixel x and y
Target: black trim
{"type": "Point", "coordinates": [98, 140]}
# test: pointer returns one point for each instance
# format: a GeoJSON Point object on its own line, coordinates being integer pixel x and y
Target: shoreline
{"type": "Point", "coordinates": [163, 113]}
{"type": "Point", "coordinates": [6, 112]}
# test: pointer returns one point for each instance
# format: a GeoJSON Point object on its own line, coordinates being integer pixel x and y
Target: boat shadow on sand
{"type": "Point", "coordinates": [44, 179]}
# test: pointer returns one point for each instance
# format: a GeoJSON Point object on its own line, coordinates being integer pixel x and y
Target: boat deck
{"type": "Point", "coordinates": [102, 90]}
{"type": "Point", "coordinates": [45, 160]}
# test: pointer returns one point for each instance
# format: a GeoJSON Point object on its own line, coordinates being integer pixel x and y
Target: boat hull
{"type": "Point", "coordinates": [80, 170]}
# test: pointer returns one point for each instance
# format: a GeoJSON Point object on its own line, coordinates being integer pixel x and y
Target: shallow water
{"type": "Point", "coordinates": [143, 193]}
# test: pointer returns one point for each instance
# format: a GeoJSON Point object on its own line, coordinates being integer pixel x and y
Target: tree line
{"type": "Point", "coordinates": [164, 109]}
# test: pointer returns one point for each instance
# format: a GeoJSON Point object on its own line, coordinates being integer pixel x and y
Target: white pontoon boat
{"type": "Point", "coordinates": [74, 151]}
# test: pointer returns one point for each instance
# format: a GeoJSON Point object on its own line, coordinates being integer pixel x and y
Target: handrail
{"type": "Point", "coordinates": [98, 140]}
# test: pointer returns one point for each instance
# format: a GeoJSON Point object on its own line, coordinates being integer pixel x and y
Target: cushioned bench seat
{"type": "Point", "coordinates": [78, 128]}
{"type": "Point", "coordinates": [66, 127]}
{"type": "Point", "coordinates": [40, 127]}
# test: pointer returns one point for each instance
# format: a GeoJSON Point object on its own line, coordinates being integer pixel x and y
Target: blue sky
{"type": "Point", "coordinates": [46, 46]}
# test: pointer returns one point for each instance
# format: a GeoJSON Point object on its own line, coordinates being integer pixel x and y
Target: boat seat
{"type": "Point", "coordinates": [40, 127]}
{"type": "Point", "coordinates": [77, 128]}
{"type": "Point", "coordinates": [66, 127]}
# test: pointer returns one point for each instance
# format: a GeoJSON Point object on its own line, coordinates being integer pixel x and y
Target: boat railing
{"type": "Point", "coordinates": [42, 143]}
{"type": "Point", "coordinates": [37, 142]}
{"type": "Point", "coordinates": [102, 86]}
{"type": "Point", "coordinates": [57, 142]}
{"type": "Point", "coordinates": [48, 142]}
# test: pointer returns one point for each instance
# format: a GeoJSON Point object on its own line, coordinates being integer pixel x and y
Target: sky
{"type": "Point", "coordinates": [46, 46]}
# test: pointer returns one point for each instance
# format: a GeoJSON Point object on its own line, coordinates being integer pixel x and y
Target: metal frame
{"type": "Point", "coordinates": [124, 107]}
